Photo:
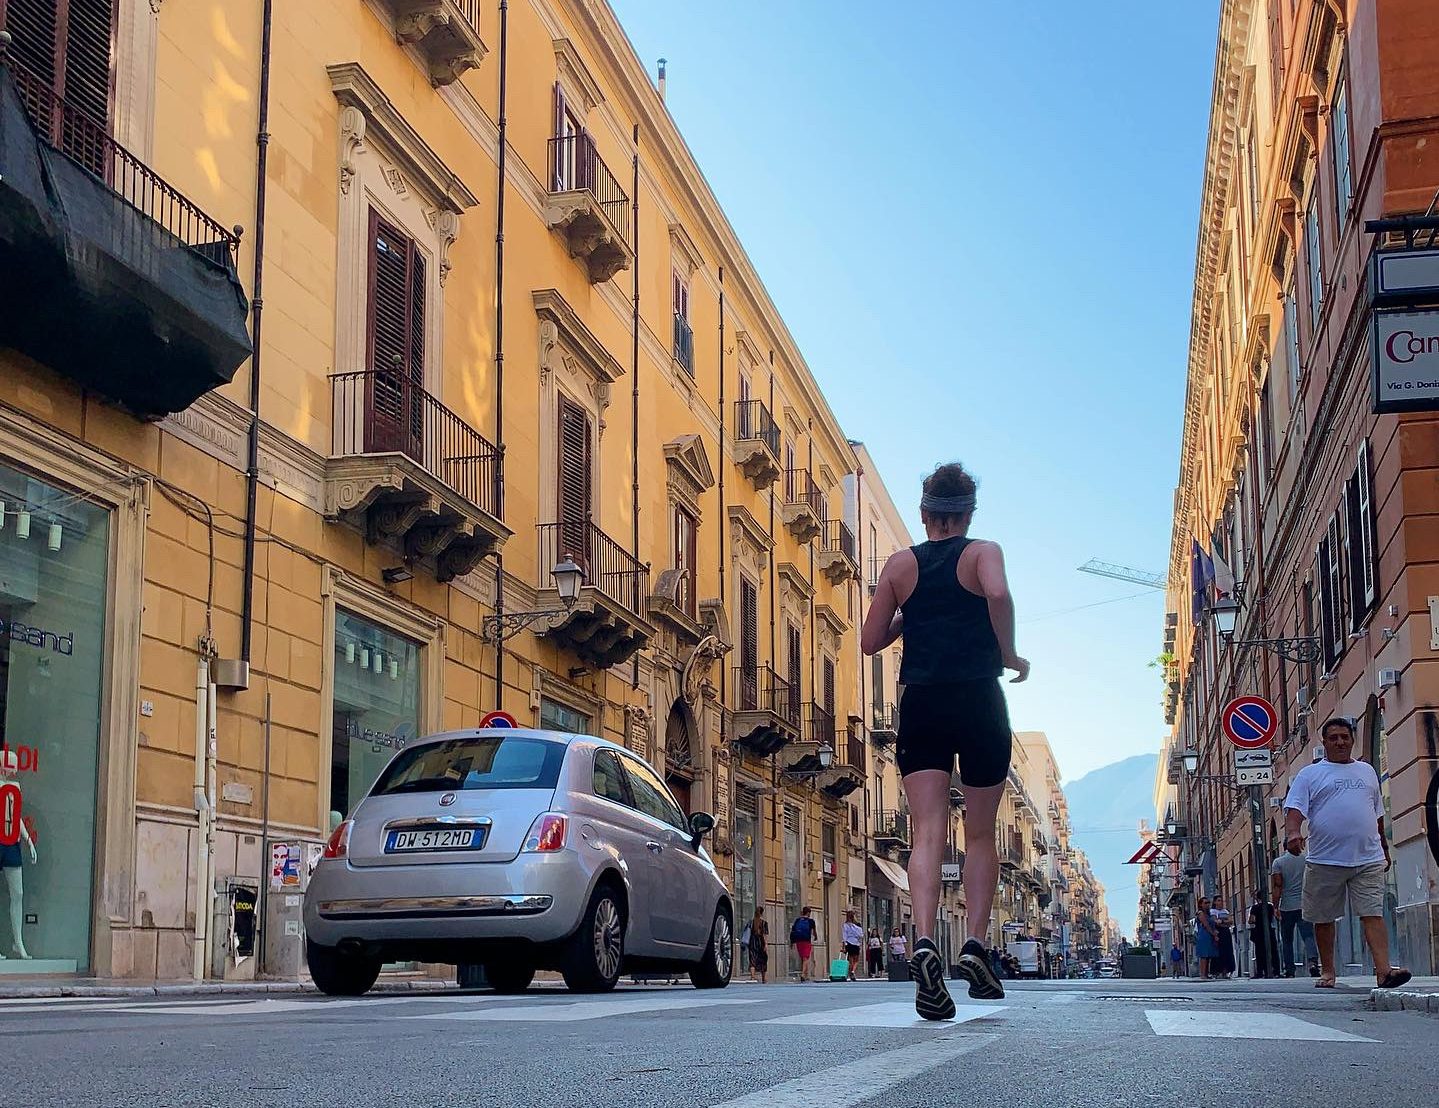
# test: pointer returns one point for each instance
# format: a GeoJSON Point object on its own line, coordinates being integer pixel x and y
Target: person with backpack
{"type": "Point", "coordinates": [755, 939]}
{"type": "Point", "coordinates": [801, 936]}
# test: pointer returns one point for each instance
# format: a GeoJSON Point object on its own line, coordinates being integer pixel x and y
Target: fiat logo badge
{"type": "Point", "coordinates": [447, 800]}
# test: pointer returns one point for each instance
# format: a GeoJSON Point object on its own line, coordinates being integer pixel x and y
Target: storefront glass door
{"type": "Point", "coordinates": [54, 558]}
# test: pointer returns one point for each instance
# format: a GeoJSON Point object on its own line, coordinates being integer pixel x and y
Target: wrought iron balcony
{"type": "Point", "coordinates": [891, 828]}
{"type": "Point", "coordinates": [847, 773]}
{"type": "Point", "coordinates": [445, 32]}
{"type": "Point", "coordinates": [837, 559]}
{"type": "Point", "coordinates": [606, 626]}
{"type": "Point", "coordinates": [109, 275]}
{"type": "Point", "coordinates": [804, 506]}
{"type": "Point", "coordinates": [588, 207]}
{"type": "Point", "coordinates": [684, 351]}
{"type": "Point", "coordinates": [757, 438]}
{"type": "Point", "coordinates": [766, 714]}
{"type": "Point", "coordinates": [414, 472]}
{"type": "Point", "coordinates": [884, 728]}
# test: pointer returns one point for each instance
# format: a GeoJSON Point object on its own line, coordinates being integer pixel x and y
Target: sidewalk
{"type": "Point", "coordinates": [1420, 995]}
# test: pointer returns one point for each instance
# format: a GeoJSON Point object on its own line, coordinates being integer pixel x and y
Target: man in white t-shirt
{"type": "Point", "coordinates": [1348, 852]}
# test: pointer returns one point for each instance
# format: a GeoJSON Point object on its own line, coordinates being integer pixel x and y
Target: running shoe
{"type": "Point", "coordinates": [974, 967]}
{"type": "Point", "coordinates": [931, 997]}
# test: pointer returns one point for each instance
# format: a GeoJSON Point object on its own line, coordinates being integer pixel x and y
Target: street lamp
{"type": "Point", "coordinates": [1191, 761]}
{"type": "Point", "coordinates": [569, 578]}
{"type": "Point", "coordinates": [1226, 613]}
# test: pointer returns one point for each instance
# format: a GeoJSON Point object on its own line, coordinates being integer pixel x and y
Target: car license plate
{"type": "Point", "coordinates": [448, 838]}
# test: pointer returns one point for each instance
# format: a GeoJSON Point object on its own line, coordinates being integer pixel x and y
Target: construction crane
{"type": "Point", "coordinates": [1123, 573]}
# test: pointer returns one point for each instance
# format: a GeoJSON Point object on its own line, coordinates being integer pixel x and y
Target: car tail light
{"type": "Point", "coordinates": [339, 843]}
{"type": "Point", "coordinates": [547, 834]}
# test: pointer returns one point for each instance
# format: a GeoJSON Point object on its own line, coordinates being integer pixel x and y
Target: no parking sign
{"type": "Point", "coordinates": [1249, 722]}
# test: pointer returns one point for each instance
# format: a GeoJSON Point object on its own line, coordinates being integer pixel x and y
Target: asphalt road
{"type": "Point", "coordinates": [778, 1046]}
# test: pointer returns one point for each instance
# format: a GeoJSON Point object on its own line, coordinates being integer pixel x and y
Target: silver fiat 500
{"type": "Point", "coordinates": [519, 850]}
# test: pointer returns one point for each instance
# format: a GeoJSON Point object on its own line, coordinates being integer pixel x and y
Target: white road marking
{"type": "Point", "coordinates": [581, 1010]}
{"type": "Point", "coordinates": [867, 1079]}
{"type": "Point", "coordinates": [1246, 1025]}
{"type": "Point", "coordinates": [894, 1014]}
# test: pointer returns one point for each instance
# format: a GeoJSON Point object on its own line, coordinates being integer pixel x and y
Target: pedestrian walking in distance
{"type": "Point", "coordinates": [950, 600]}
{"type": "Point", "coordinates": [757, 943]}
{"type": "Point", "coordinates": [1286, 887]}
{"type": "Point", "coordinates": [852, 935]}
{"type": "Point", "coordinates": [1206, 940]}
{"type": "Point", "coordinates": [1176, 960]}
{"type": "Point", "coordinates": [876, 953]}
{"type": "Point", "coordinates": [801, 937]}
{"type": "Point", "coordinates": [1348, 851]}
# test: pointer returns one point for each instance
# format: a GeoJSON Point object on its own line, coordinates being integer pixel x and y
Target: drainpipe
{"type": "Point", "coordinates": [203, 815]}
{"type": "Point", "coordinates": [721, 467]}
{"type": "Point", "coordinates": [257, 307]}
{"type": "Point", "coordinates": [635, 388]}
{"type": "Point", "coordinates": [500, 341]}
{"type": "Point", "coordinates": [211, 797]}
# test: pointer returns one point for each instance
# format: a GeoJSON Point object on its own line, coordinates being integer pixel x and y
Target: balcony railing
{"type": "Point", "coordinates": [575, 164]}
{"type": "Point", "coordinates": [854, 750]}
{"type": "Point", "coordinates": [684, 344]}
{"type": "Point", "coordinates": [753, 421]}
{"type": "Point", "coordinates": [800, 488]}
{"type": "Point", "coordinates": [470, 9]}
{"type": "Point", "coordinates": [608, 566]}
{"type": "Point", "coordinates": [838, 538]}
{"type": "Point", "coordinates": [884, 723]}
{"type": "Point", "coordinates": [892, 824]}
{"type": "Point", "coordinates": [390, 413]}
{"type": "Point", "coordinates": [87, 142]}
{"type": "Point", "coordinates": [763, 690]}
{"type": "Point", "coordinates": [821, 725]}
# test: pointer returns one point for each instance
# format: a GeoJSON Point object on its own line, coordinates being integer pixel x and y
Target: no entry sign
{"type": "Point", "coordinates": [498, 719]}
{"type": "Point", "coordinates": [1250, 722]}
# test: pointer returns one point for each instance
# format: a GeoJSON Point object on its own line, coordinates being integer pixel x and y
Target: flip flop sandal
{"type": "Point", "coordinates": [1325, 983]}
{"type": "Point", "coordinates": [1394, 978]}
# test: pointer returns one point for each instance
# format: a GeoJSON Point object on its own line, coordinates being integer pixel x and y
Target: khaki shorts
{"type": "Point", "coordinates": [1325, 888]}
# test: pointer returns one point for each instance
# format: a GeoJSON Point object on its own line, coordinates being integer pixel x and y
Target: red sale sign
{"type": "Point", "coordinates": [9, 814]}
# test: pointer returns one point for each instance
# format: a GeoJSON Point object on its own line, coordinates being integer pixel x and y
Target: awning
{"type": "Point", "coordinates": [893, 873]}
{"type": "Point", "coordinates": [856, 873]}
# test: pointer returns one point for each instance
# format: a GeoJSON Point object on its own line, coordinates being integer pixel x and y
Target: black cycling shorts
{"type": "Point", "coordinates": [968, 720]}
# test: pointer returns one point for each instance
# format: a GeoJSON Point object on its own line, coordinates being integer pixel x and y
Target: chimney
{"type": "Point", "coordinates": [662, 78]}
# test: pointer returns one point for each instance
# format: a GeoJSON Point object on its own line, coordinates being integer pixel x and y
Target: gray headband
{"type": "Point", "coordinates": [947, 505]}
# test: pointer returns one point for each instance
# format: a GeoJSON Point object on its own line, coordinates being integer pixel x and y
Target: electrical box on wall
{"type": "Point", "coordinates": [1388, 678]}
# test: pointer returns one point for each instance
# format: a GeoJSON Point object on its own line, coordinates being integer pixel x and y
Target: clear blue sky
{"type": "Point", "coordinates": [979, 221]}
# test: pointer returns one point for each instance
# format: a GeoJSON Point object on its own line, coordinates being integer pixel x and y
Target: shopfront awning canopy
{"type": "Point", "coordinates": [893, 873]}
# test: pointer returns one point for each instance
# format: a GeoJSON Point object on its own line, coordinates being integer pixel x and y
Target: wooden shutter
{"type": "Point", "coordinates": [1276, 49]}
{"type": "Point", "coordinates": [67, 45]}
{"type": "Point", "coordinates": [828, 674]}
{"type": "Point", "coordinates": [686, 532]}
{"type": "Point", "coordinates": [877, 679]}
{"type": "Point", "coordinates": [795, 675]}
{"type": "Point", "coordinates": [575, 469]}
{"type": "Point", "coordinates": [396, 341]}
{"type": "Point", "coordinates": [563, 151]}
{"type": "Point", "coordinates": [748, 644]}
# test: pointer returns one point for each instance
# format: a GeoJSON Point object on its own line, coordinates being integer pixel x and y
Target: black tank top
{"type": "Point", "coordinates": [947, 633]}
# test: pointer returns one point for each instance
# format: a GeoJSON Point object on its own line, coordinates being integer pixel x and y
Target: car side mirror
{"type": "Point", "coordinates": [701, 824]}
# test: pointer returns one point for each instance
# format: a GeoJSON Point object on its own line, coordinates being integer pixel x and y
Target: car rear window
{"type": "Point", "coordinates": [483, 762]}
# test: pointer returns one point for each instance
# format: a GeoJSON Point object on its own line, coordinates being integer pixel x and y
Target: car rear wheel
{"type": "Point", "coordinates": [714, 971]}
{"type": "Point", "coordinates": [509, 977]}
{"type": "Point", "coordinates": [596, 951]}
{"type": "Point", "coordinates": [338, 973]}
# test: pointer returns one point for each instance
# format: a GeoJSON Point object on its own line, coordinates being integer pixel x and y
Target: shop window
{"type": "Point", "coordinates": [376, 709]}
{"type": "Point", "coordinates": [54, 558]}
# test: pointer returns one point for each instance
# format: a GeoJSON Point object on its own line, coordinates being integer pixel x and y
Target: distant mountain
{"type": "Point", "coordinates": [1105, 807]}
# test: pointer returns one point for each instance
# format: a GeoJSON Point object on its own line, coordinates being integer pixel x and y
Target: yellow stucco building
{"type": "Point", "coordinates": [500, 322]}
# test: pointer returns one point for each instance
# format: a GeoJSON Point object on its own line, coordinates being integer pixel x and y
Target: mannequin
{"type": "Point", "coordinates": [10, 859]}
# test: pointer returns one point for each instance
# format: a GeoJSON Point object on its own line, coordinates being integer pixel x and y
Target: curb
{"type": "Point", "coordinates": [200, 988]}
{"type": "Point", "coordinates": [1398, 1000]}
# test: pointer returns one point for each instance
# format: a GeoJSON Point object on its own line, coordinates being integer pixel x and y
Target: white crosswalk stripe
{"type": "Point", "coordinates": [867, 1079]}
{"type": "Point", "coordinates": [583, 1010]}
{"type": "Point", "coordinates": [1272, 1026]}
{"type": "Point", "coordinates": [896, 1014]}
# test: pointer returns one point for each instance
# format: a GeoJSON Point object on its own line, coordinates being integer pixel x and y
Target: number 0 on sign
{"type": "Point", "coordinates": [1250, 722]}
